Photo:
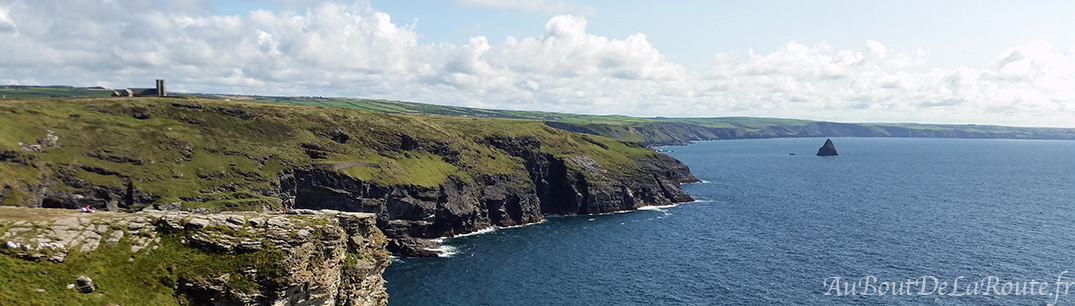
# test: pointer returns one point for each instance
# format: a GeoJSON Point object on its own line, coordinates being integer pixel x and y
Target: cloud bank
{"type": "Point", "coordinates": [353, 50]}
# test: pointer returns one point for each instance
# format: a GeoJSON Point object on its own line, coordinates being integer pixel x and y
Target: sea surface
{"type": "Point", "coordinates": [769, 228]}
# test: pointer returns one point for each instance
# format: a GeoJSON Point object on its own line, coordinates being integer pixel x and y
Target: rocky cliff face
{"type": "Point", "coordinates": [556, 185]}
{"type": "Point", "coordinates": [422, 176]}
{"type": "Point", "coordinates": [303, 258]}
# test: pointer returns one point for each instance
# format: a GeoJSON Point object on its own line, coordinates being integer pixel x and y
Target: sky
{"type": "Point", "coordinates": [957, 62]}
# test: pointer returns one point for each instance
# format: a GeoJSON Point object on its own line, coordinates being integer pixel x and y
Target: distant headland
{"type": "Point", "coordinates": [657, 131]}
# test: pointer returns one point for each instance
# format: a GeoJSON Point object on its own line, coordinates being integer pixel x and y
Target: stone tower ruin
{"type": "Point", "coordinates": [160, 88]}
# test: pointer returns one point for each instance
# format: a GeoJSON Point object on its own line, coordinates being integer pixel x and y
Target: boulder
{"type": "Point", "coordinates": [85, 284]}
{"type": "Point", "coordinates": [828, 149]}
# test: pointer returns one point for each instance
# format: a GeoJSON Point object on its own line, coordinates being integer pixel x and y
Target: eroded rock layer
{"type": "Point", "coordinates": [302, 258]}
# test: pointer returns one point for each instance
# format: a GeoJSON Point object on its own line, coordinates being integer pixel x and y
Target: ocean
{"type": "Point", "coordinates": [891, 221]}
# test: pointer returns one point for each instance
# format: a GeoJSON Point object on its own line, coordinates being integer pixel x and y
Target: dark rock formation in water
{"type": "Point", "coordinates": [828, 149]}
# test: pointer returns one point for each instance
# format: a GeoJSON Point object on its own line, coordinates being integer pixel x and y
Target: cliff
{"type": "Point", "coordinates": [575, 184]}
{"type": "Point", "coordinates": [682, 131]}
{"type": "Point", "coordinates": [424, 176]}
{"type": "Point", "coordinates": [183, 258]}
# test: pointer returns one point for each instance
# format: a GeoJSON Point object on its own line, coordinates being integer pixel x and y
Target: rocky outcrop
{"type": "Point", "coordinates": [571, 185]}
{"type": "Point", "coordinates": [405, 211]}
{"type": "Point", "coordinates": [306, 257]}
{"type": "Point", "coordinates": [828, 149]}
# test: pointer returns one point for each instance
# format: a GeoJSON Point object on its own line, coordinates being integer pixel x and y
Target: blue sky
{"type": "Point", "coordinates": [983, 62]}
{"type": "Point", "coordinates": [968, 33]}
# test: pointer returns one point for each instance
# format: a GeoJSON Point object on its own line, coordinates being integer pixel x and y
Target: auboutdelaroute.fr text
{"type": "Point", "coordinates": [959, 286]}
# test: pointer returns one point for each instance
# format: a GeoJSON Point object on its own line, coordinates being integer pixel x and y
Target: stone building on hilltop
{"type": "Point", "coordinates": [142, 92]}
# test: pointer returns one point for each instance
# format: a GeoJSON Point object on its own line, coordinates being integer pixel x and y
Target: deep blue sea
{"type": "Point", "coordinates": [771, 228]}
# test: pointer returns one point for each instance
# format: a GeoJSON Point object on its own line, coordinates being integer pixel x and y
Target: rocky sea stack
{"type": "Point", "coordinates": [828, 149]}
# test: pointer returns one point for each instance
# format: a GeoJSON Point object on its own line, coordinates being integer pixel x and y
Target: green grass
{"type": "Point", "coordinates": [179, 152]}
{"type": "Point", "coordinates": [145, 280]}
{"type": "Point", "coordinates": [420, 169]}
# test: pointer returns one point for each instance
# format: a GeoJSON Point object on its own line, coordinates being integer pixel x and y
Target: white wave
{"type": "Point", "coordinates": [522, 225]}
{"type": "Point", "coordinates": [488, 230]}
{"type": "Point", "coordinates": [444, 250]}
{"type": "Point", "coordinates": [659, 208]}
{"type": "Point", "coordinates": [448, 251]}
{"type": "Point", "coordinates": [652, 207]}
{"type": "Point", "coordinates": [477, 232]}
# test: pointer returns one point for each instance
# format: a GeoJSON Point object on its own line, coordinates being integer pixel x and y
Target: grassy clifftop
{"type": "Point", "coordinates": [665, 131]}
{"type": "Point", "coordinates": [227, 155]}
{"type": "Point", "coordinates": [647, 131]}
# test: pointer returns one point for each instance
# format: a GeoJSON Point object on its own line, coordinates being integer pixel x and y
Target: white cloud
{"type": "Point", "coordinates": [566, 50]}
{"type": "Point", "coordinates": [333, 49]}
{"type": "Point", "coordinates": [543, 6]}
{"type": "Point", "coordinates": [6, 24]}
{"type": "Point", "coordinates": [1030, 84]}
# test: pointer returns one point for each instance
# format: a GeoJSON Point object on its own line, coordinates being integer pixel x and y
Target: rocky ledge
{"type": "Point", "coordinates": [304, 257]}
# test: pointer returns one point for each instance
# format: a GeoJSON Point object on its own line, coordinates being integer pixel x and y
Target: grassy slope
{"type": "Point", "coordinates": [624, 128]}
{"type": "Point", "coordinates": [227, 149]}
{"type": "Point", "coordinates": [656, 130]}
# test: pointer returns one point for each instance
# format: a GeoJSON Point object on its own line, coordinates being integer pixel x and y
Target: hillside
{"type": "Point", "coordinates": [425, 176]}
{"type": "Point", "coordinates": [652, 131]}
{"type": "Point", "coordinates": [677, 131]}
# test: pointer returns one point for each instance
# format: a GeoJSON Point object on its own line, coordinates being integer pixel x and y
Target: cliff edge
{"type": "Point", "coordinates": [183, 258]}
{"type": "Point", "coordinates": [424, 176]}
